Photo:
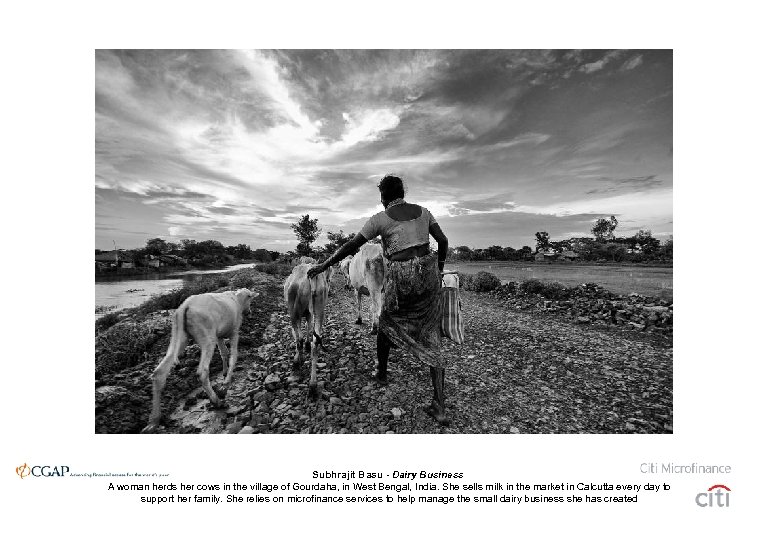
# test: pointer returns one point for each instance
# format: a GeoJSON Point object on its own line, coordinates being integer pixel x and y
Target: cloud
{"type": "Point", "coordinates": [632, 63]}
{"type": "Point", "coordinates": [598, 65]}
{"type": "Point", "coordinates": [635, 183]}
{"type": "Point", "coordinates": [488, 204]}
{"type": "Point", "coordinates": [238, 143]}
{"type": "Point", "coordinates": [523, 138]}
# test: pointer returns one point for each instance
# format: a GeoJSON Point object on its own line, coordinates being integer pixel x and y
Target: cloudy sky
{"type": "Point", "coordinates": [235, 145]}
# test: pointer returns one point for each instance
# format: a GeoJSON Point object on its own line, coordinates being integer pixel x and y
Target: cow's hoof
{"type": "Point", "coordinates": [219, 404]}
{"type": "Point", "coordinates": [307, 347]}
{"type": "Point", "coordinates": [314, 391]}
{"type": "Point", "coordinates": [381, 381]}
{"type": "Point", "coordinates": [359, 321]}
{"type": "Point", "coordinates": [220, 390]}
{"type": "Point", "coordinates": [435, 412]}
{"type": "Point", "coordinates": [373, 330]}
{"type": "Point", "coordinates": [153, 427]}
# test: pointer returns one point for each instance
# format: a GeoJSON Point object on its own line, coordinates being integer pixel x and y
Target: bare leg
{"type": "Point", "coordinates": [376, 308]}
{"type": "Point", "coordinates": [382, 354]}
{"type": "Point", "coordinates": [436, 408]}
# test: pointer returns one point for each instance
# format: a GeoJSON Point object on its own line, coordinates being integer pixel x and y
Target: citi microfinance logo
{"type": "Point", "coordinates": [23, 471]}
{"type": "Point", "coordinates": [714, 497]}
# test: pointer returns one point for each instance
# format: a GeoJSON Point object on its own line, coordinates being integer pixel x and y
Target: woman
{"type": "Point", "coordinates": [411, 314]}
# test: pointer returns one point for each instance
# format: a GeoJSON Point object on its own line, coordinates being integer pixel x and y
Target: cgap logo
{"type": "Point", "coordinates": [25, 470]}
{"type": "Point", "coordinates": [714, 497]}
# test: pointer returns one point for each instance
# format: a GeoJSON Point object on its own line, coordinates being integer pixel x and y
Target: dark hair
{"type": "Point", "coordinates": [391, 187]}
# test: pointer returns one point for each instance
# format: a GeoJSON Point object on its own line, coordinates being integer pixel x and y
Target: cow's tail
{"type": "Point", "coordinates": [178, 332]}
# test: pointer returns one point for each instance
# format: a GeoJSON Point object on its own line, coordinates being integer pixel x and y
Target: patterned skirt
{"type": "Point", "coordinates": [412, 308]}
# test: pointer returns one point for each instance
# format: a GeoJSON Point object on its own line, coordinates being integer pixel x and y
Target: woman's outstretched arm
{"type": "Point", "coordinates": [350, 248]}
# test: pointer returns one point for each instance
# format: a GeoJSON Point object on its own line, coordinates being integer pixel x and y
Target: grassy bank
{"type": "Point", "coordinates": [173, 299]}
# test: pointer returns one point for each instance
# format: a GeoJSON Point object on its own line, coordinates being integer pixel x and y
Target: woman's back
{"type": "Point", "coordinates": [404, 212]}
{"type": "Point", "coordinates": [404, 229]}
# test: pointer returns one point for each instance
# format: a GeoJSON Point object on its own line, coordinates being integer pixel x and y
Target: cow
{"type": "Point", "coordinates": [367, 277]}
{"type": "Point", "coordinates": [306, 299]}
{"type": "Point", "coordinates": [208, 319]}
{"type": "Point", "coordinates": [344, 267]}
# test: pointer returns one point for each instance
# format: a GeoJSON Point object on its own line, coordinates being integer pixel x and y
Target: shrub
{"type": "Point", "coordinates": [553, 290]}
{"type": "Point", "coordinates": [532, 286]}
{"type": "Point", "coordinates": [124, 345]}
{"type": "Point", "coordinates": [242, 280]}
{"type": "Point", "coordinates": [106, 321]}
{"type": "Point", "coordinates": [481, 282]}
{"type": "Point", "coordinates": [275, 268]}
{"type": "Point", "coordinates": [174, 298]}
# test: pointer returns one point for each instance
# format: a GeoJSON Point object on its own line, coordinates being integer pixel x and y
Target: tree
{"type": "Point", "coordinates": [464, 253]}
{"type": "Point", "coordinates": [307, 231]}
{"type": "Point", "coordinates": [158, 246]}
{"type": "Point", "coordinates": [604, 229]}
{"type": "Point", "coordinates": [525, 252]}
{"type": "Point", "coordinates": [189, 248]}
{"type": "Point", "coordinates": [510, 254]}
{"type": "Point", "coordinates": [542, 240]}
{"type": "Point", "coordinates": [242, 251]}
{"type": "Point", "coordinates": [336, 240]}
{"type": "Point", "coordinates": [263, 255]}
{"type": "Point", "coordinates": [495, 252]}
{"type": "Point", "coordinates": [644, 239]}
{"type": "Point", "coordinates": [666, 250]}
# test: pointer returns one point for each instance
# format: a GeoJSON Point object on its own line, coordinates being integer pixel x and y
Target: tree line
{"type": "Point", "coordinates": [603, 246]}
{"type": "Point", "coordinates": [203, 253]}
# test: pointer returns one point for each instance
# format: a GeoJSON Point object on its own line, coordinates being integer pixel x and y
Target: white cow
{"type": "Point", "coordinates": [344, 267]}
{"type": "Point", "coordinates": [367, 277]}
{"type": "Point", "coordinates": [207, 318]}
{"type": "Point", "coordinates": [306, 299]}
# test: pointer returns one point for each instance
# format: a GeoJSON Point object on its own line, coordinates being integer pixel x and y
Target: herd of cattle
{"type": "Point", "coordinates": [212, 317]}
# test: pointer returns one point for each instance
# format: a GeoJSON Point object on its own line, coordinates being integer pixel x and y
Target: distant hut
{"type": "Point", "coordinates": [569, 255]}
{"type": "Point", "coordinates": [112, 259]}
{"type": "Point", "coordinates": [546, 256]}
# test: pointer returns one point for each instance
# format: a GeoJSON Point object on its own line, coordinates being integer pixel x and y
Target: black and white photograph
{"type": "Point", "coordinates": [422, 251]}
{"type": "Point", "coordinates": [383, 241]}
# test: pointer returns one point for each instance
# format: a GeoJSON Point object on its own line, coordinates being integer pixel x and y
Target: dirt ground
{"type": "Point", "coordinates": [517, 372]}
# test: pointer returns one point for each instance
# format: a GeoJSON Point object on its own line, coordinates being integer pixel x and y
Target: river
{"type": "Point", "coordinates": [117, 292]}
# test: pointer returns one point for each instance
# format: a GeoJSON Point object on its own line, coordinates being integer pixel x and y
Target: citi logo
{"type": "Point", "coordinates": [23, 471]}
{"type": "Point", "coordinates": [714, 497]}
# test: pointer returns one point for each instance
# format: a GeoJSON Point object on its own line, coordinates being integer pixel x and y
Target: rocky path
{"type": "Point", "coordinates": [518, 372]}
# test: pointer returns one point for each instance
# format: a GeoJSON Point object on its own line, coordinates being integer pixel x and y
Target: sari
{"type": "Point", "coordinates": [412, 308]}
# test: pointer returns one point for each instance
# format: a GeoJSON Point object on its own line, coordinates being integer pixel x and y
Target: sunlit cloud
{"type": "Point", "coordinates": [235, 145]}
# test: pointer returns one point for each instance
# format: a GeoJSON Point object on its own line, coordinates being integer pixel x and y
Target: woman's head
{"type": "Point", "coordinates": [391, 187]}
